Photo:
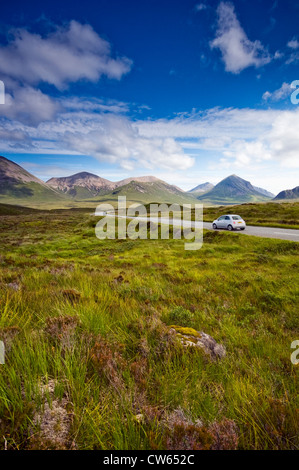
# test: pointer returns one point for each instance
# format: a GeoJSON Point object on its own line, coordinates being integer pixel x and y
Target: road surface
{"type": "Point", "coordinates": [264, 232]}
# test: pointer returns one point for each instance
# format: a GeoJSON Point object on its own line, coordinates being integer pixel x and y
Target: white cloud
{"type": "Point", "coordinates": [117, 140]}
{"type": "Point", "coordinates": [71, 53]}
{"type": "Point", "coordinates": [280, 94]}
{"type": "Point", "coordinates": [278, 55]}
{"type": "Point", "coordinates": [211, 143]}
{"type": "Point", "coordinates": [76, 103]}
{"type": "Point", "coordinates": [240, 137]}
{"type": "Point", "coordinates": [200, 7]}
{"type": "Point", "coordinates": [293, 44]}
{"type": "Point", "coordinates": [293, 58]}
{"type": "Point", "coordinates": [214, 125]}
{"type": "Point", "coordinates": [238, 52]}
{"type": "Point", "coordinates": [277, 143]}
{"type": "Point", "coordinates": [29, 105]}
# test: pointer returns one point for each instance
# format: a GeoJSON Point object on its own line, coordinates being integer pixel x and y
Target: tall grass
{"type": "Point", "coordinates": [107, 345]}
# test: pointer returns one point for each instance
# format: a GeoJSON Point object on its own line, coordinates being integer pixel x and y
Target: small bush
{"type": "Point", "coordinates": [181, 316]}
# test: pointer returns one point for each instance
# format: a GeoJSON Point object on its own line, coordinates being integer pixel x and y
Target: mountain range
{"type": "Point", "coordinates": [234, 189]}
{"type": "Point", "coordinates": [288, 194]}
{"type": "Point", "coordinates": [18, 186]}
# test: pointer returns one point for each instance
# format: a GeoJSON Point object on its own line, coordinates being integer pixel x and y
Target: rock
{"type": "Point", "coordinates": [198, 339]}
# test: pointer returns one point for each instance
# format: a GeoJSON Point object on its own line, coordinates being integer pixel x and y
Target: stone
{"type": "Point", "coordinates": [189, 337]}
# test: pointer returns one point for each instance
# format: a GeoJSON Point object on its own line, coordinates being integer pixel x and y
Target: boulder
{"type": "Point", "coordinates": [198, 339]}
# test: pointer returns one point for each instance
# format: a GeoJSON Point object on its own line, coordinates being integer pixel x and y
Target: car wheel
{"type": "Point", "coordinates": [242, 228]}
{"type": "Point", "coordinates": [230, 228]}
{"type": "Point", "coordinates": [214, 226]}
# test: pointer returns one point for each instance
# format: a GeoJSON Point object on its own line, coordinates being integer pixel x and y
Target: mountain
{"type": "Point", "coordinates": [201, 188]}
{"type": "Point", "coordinates": [154, 191]}
{"type": "Point", "coordinates": [288, 194]}
{"type": "Point", "coordinates": [140, 179]}
{"type": "Point", "coordinates": [232, 190]}
{"type": "Point", "coordinates": [264, 192]}
{"type": "Point", "coordinates": [81, 185]}
{"type": "Point", "coordinates": [145, 179]}
{"type": "Point", "coordinates": [18, 186]}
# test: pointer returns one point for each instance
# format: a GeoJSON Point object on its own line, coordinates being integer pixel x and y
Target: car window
{"type": "Point", "coordinates": [236, 217]}
{"type": "Point", "coordinates": [227, 217]}
{"type": "Point", "coordinates": [222, 217]}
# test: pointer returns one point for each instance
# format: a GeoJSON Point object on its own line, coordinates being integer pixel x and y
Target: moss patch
{"type": "Point", "coordinates": [185, 331]}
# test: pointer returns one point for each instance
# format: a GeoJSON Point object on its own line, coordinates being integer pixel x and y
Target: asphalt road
{"type": "Point", "coordinates": [265, 232]}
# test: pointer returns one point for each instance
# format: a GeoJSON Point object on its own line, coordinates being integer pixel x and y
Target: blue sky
{"type": "Point", "coordinates": [187, 91]}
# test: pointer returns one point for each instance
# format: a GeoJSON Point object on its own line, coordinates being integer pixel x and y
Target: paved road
{"type": "Point", "coordinates": [266, 232]}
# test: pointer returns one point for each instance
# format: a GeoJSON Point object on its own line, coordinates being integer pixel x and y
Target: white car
{"type": "Point", "coordinates": [229, 222]}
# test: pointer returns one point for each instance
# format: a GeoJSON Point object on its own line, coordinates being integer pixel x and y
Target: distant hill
{"type": "Point", "coordinates": [201, 188]}
{"type": "Point", "coordinates": [155, 191]}
{"type": "Point", "coordinates": [81, 185]}
{"type": "Point", "coordinates": [86, 186]}
{"type": "Point", "coordinates": [232, 190]}
{"type": "Point", "coordinates": [140, 179]}
{"type": "Point", "coordinates": [264, 192]}
{"type": "Point", "coordinates": [18, 186]}
{"type": "Point", "coordinates": [288, 194]}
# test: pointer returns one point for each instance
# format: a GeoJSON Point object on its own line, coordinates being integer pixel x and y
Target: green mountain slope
{"type": "Point", "coordinates": [157, 191]}
{"type": "Point", "coordinates": [232, 190]}
{"type": "Point", "coordinates": [18, 186]}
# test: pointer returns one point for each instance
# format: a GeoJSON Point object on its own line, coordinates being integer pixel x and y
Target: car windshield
{"type": "Point", "coordinates": [236, 217]}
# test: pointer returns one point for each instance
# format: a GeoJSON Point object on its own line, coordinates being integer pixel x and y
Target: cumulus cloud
{"type": "Point", "coordinates": [241, 137]}
{"type": "Point", "coordinates": [280, 94]}
{"type": "Point", "coordinates": [108, 137]}
{"type": "Point", "coordinates": [238, 52]}
{"type": "Point", "coordinates": [293, 44]}
{"type": "Point", "coordinates": [70, 53]}
{"type": "Point", "coordinates": [117, 140]}
{"type": "Point", "coordinates": [278, 142]}
{"type": "Point", "coordinates": [29, 105]}
{"type": "Point", "coordinates": [231, 138]}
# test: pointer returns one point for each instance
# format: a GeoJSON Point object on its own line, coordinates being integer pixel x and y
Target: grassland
{"type": "Point", "coordinates": [91, 364]}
